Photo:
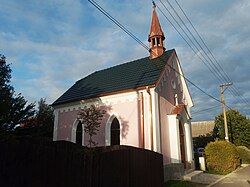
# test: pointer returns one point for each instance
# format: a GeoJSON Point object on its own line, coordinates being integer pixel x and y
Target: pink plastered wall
{"type": "Point", "coordinates": [126, 111]}
{"type": "Point", "coordinates": [65, 123]}
{"type": "Point", "coordinates": [166, 94]}
{"type": "Point", "coordinates": [167, 91]}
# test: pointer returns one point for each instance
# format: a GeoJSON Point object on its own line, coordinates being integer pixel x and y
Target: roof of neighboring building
{"type": "Point", "coordinates": [130, 75]}
{"type": "Point", "coordinates": [202, 128]}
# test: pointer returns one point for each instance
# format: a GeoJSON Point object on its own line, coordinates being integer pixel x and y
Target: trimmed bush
{"type": "Point", "coordinates": [244, 153]}
{"type": "Point", "coordinates": [221, 157]}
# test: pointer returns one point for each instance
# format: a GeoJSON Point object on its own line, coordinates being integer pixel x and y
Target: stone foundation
{"type": "Point", "coordinates": [176, 171]}
{"type": "Point", "coordinates": [173, 171]}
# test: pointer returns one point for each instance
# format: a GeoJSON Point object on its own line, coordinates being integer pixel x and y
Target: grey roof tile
{"type": "Point", "coordinates": [130, 75]}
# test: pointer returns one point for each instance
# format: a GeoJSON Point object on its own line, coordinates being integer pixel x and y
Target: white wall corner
{"type": "Point", "coordinates": [55, 125]}
{"type": "Point", "coordinates": [188, 140]}
{"type": "Point", "coordinates": [174, 134]}
{"type": "Point", "coordinates": [156, 122]}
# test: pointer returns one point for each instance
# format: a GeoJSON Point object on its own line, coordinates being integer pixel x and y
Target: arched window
{"type": "Point", "coordinates": [115, 132]}
{"type": "Point", "coordinates": [79, 133]}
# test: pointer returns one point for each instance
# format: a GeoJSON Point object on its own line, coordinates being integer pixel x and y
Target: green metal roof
{"type": "Point", "coordinates": [130, 75]}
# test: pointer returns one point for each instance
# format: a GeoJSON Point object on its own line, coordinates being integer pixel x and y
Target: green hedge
{"type": "Point", "coordinates": [221, 157]}
{"type": "Point", "coordinates": [244, 153]}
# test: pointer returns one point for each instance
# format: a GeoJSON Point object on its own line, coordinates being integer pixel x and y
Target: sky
{"type": "Point", "coordinates": [51, 44]}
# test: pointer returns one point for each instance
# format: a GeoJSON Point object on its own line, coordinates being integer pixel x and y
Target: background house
{"type": "Point", "coordinates": [202, 128]}
{"type": "Point", "coordinates": [202, 133]}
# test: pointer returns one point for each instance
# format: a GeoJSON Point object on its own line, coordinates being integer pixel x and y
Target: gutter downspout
{"type": "Point", "coordinates": [150, 118]}
{"type": "Point", "coordinates": [142, 119]}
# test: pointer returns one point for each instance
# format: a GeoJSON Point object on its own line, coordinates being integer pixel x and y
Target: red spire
{"type": "Point", "coordinates": [155, 28]}
{"type": "Point", "coordinates": [156, 37]}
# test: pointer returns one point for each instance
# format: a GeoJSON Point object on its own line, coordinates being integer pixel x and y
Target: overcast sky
{"type": "Point", "coordinates": [53, 43]}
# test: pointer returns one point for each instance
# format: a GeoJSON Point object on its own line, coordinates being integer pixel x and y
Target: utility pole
{"type": "Point", "coordinates": [223, 108]}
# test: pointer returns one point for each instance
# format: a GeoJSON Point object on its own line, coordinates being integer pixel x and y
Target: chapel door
{"type": "Point", "coordinates": [79, 133]}
{"type": "Point", "coordinates": [182, 145]}
{"type": "Point", "coordinates": [115, 132]}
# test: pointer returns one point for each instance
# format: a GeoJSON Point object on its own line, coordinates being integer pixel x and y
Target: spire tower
{"type": "Point", "coordinates": [155, 37]}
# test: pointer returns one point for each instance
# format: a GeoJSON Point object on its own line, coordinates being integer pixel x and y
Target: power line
{"type": "Point", "coordinates": [201, 39]}
{"type": "Point", "coordinates": [195, 48]}
{"type": "Point", "coordinates": [196, 52]}
{"type": "Point", "coordinates": [116, 22]}
{"type": "Point", "coordinates": [203, 110]}
{"type": "Point", "coordinates": [198, 46]}
{"type": "Point", "coordinates": [226, 77]}
{"type": "Point", "coordinates": [206, 57]}
{"type": "Point", "coordinates": [202, 59]}
{"type": "Point", "coordinates": [213, 63]}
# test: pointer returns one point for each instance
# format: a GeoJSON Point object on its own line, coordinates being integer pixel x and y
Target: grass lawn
{"type": "Point", "coordinates": [177, 183]}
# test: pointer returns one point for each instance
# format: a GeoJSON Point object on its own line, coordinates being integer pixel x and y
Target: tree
{"type": "Point", "coordinates": [6, 91]}
{"type": "Point", "coordinates": [203, 140]}
{"type": "Point", "coordinates": [41, 124]}
{"type": "Point", "coordinates": [44, 118]}
{"type": "Point", "coordinates": [221, 157]}
{"type": "Point", "coordinates": [238, 128]}
{"type": "Point", "coordinates": [91, 118]}
{"type": "Point", "coordinates": [13, 107]}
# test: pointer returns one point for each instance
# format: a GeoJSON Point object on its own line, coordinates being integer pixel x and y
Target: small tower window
{"type": "Point", "coordinates": [153, 41]}
{"type": "Point", "coordinates": [158, 41]}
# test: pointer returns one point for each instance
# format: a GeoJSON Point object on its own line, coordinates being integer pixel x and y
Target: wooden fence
{"type": "Point", "coordinates": [65, 164]}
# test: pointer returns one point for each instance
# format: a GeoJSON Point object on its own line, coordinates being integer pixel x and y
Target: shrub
{"type": "Point", "coordinates": [221, 157]}
{"type": "Point", "coordinates": [244, 153]}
